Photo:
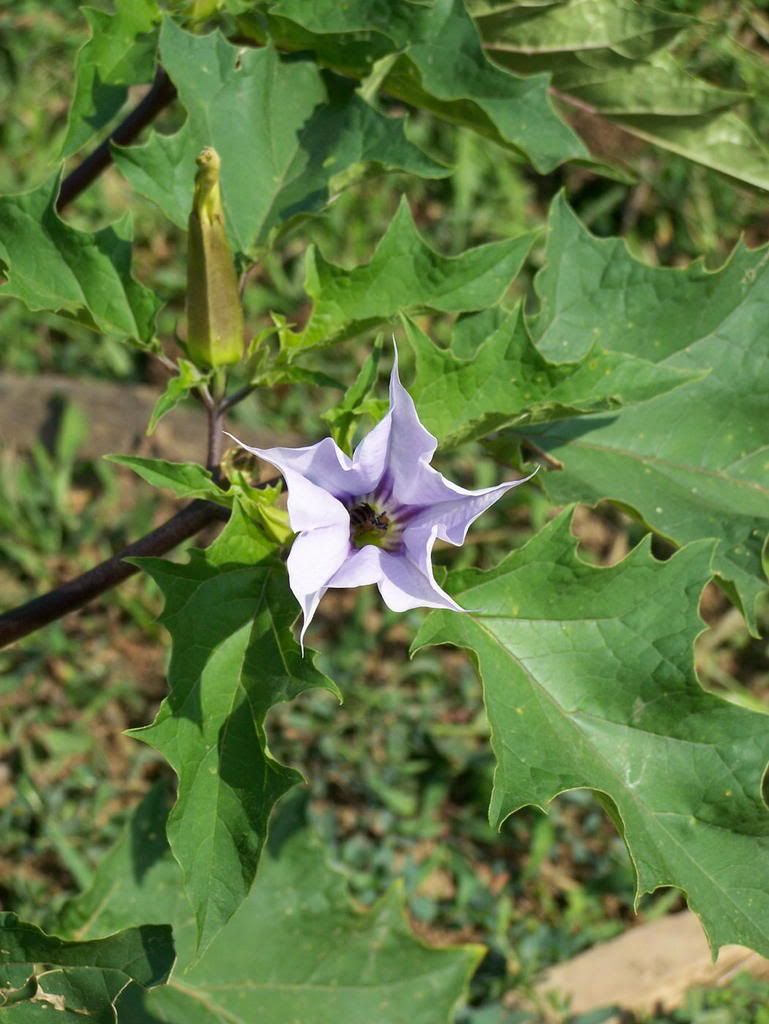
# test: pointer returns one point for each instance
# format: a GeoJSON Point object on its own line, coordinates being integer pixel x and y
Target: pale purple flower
{"type": "Point", "coordinates": [374, 518]}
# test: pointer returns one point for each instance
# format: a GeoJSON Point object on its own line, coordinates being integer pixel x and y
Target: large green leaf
{"type": "Point", "coordinates": [82, 275]}
{"type": "Point", "coordinates": [657, 87]}
{"type": "Point", "coordinates": [622, 27]}
{"type": "Point", "coordinates": [693, 462]}
{"type": "Point", "coordinates": [295, 951]}
{"type": "Point", "coordinates": [119, 53]}
{"type": "Point", "coordinates": [431, 57]}
{"type": "Point", "coordinates": [144, 953]}
{"type": "Point", "coordinates": [77, 995]}
{"type": "Point", "coordinates": [81, 979]}
{"type": "Point", "coordinates": [286, 135]}
{"type": "Point", "coordinates": [229, 612]}
{"type": "Point", "coordinates": [606, 57]}
{"type": "Point", "coordinates": [404, 275]}
{"type": "Point", "coordinates": [589, 682]}
{"type": "Point", "coordinates": [508, 381]}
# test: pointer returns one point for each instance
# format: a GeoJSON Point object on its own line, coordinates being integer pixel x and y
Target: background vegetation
{"type": "Point", "coordinates": [401, 773]}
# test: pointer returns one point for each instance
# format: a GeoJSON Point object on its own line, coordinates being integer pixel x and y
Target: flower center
{"type": "Point", "coordinates": [370, 524]}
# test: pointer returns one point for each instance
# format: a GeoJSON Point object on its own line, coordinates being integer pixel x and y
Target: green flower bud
{"type": "Point", "coordinates": [214, 313]}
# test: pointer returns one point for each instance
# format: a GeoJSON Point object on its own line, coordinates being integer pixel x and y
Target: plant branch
{"type": "Point", "coordinates": [158, 96]}
{"type": "Point", "coordinates": [169, 364]}
{"type": "Point", "coordinates": [237, 396]}
{"type": "Point", "coordinates": [546, 457]}
{"type": "Point", "coordinates": [215, 424]}
{"type": "Point", "coordinates": [21, 621]}
{"type": "Point", "coordinates": [74, 594]}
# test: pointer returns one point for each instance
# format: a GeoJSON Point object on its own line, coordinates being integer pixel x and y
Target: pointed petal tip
{"type": "Point", "coordinates": [522, 480]}
{"type": "Point", "coordinates": [305, 626]}
{"type": "Point", "coordinates": [242, 444]}
{"type": "Point", "coordinates": [394, 374]}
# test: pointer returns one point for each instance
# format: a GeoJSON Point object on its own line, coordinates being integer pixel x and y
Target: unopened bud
{"type": "Point", "coordinates": [214, 314]}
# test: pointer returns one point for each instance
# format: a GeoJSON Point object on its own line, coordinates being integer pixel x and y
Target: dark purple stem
{"type": "Point", "coordinates": [159, 95]}
{"type": "Point", "coordinates": [20, 622]}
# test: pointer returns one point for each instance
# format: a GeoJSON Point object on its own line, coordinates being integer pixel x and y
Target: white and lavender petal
{"type": "Point", "coordinates": [315, 557]}
{"type": "Point", "coordinates": [323, 464]}
{"type": "Point", "coordinates": [312, 508]}
{"type": "Point", "coordinates": [399, 447]}
{"type": "Point", "coordinates": [408, 580]}
{"type": "Point", "coordinates": [373, 519]}
{"type": "Point", "coordinates": [360, 568]}
{"type": "Point", "coordinates": [453, 515]}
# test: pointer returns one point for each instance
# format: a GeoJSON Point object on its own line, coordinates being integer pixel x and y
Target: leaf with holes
{"type": "Point", "coordinates": [80, 979]}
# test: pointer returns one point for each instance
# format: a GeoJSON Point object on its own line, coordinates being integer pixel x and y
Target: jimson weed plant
{"type": "Point", "coordinates": [548, 356]}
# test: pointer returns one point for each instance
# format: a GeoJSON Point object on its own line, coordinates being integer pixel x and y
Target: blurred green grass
{"type": "Point", "coordinates": [400, 775]}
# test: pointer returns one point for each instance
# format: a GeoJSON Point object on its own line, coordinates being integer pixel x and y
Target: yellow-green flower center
{"type": "Point", "coordinates": [370, 524]}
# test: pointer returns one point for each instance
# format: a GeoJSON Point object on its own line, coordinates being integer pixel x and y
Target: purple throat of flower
{"type": "Point", "coordinates": [377, 522]}
{"type": "Point", "coordinates": [373, 517]}
{"type": "Point", "coordinates": [377, 519]}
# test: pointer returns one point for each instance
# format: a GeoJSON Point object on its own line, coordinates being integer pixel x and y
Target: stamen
{"type": "Point", "coordinates": [370, 523]}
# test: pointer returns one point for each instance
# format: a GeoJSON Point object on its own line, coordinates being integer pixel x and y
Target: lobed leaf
{"type": "Point", "coordinates": [80, 979]}
{"type": "Point", "coordinates": [287, 136]}
{"type": "Point", "coordinates": [589, 681]}
{"type": "Point", "coordinates": [405, 275]}
{"type": "Point", "coordinates": [508, 381]}
{"type": "Point", "coordinates": [229, 612]}
{"type": "Point", "coordinates": [607, 58]}
{"type": "Point", "coordinates": [82, 275]}
{"type": "Point", "coordinates": [295, 950]}
{"type": "Point", "coordinates": [694, 463]}
{"type": "Point", "coordinates": [119, 53]}
{"type": "Point", "coordinates": [430, 56]}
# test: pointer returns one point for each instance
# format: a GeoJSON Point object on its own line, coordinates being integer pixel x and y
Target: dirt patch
{"type": "Point", "coordinates": [649, 968]}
